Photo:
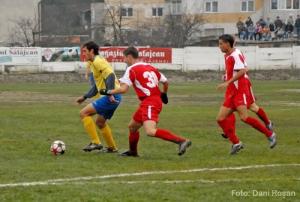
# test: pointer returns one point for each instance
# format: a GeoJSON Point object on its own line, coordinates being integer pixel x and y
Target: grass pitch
{"type": "Point", "coordinates": [34, 115]}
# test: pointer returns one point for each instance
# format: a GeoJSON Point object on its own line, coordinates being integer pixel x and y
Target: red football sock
{"type": "Point", "coordinates": [263, 116]}
{"type": "Point", "coordinates": [258, 126]}
{"type": "Point", "coordinates": [168, 136]}
{"type": "Point", "coordinates": [133, 141]}
{"type": "Point", "coordinates": [228, 126]}
{"type": "Point", "coordinates": [231, 122]}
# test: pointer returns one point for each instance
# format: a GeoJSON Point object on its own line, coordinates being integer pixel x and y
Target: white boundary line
{"type": "Point", "coordinates": [89, 178]}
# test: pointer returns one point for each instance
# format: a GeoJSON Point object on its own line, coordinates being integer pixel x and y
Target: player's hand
{"type": "Point", "coordinates": [164, 98]}
{"type": "Point", "coordinates": [104, 92]}
{"type": "Point", "coordinates": [112, 99]}
{"type": "Point", "coordinates": [222, 86]}
{"type": "Point", "coordinates": [86, 77]}
{"type": "Point", "coordinates": [80, 100]}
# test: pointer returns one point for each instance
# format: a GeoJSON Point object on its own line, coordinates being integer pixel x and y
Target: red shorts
{"type": "Point", "coordinates": [235, 101]}
{"type": "Point", "coordinates": [250, 96]}
{"type": "Point", "coordinates": [149, 109]}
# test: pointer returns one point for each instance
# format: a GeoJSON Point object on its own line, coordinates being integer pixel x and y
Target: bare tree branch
{"type": "Point", "coordinates": [24, 31]}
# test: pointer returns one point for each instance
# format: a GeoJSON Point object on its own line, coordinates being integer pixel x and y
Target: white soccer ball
{"type": "Point", "coordinates": [58, 147]}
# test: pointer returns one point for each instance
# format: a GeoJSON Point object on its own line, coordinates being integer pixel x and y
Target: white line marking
{"type": "Point", "coordinates": [204, 181]}
{"type": "Point", "coordinates": [145, 182]}
{"type": "Point", "coordinates": [88, 178]}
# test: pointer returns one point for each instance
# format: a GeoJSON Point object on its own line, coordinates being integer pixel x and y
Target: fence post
{"type": "Point", "coordinates": [294, 57]}
{"type": "Point", "coordinates": [2, 69]}
{"type": "Point", "coordinates": [184, 69]}
{"type": "Point", "coordinates": [257, 57]}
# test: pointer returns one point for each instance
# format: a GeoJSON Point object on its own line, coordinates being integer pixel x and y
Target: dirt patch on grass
{"type": "Point", "coordinates": [291, 90]}
{"type": "Point", "coordinates": [8, 96]}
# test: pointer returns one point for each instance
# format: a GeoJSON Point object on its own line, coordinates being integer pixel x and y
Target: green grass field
{"type": "Point", "coordinates": [34, 115]}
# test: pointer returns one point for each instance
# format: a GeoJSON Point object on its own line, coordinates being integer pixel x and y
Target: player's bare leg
{"type": "Point", "coordinates": [152, 130]}
{"type": "Point", "coordinates": [226, 121]}
{"type": "Point", "coordinates": [133, 137]}
{"type": "Point", "coordinates": [243, 113]}
{"type": "Point", "coordinates": [86, 117]}
{"type": "Point", "coordinates": [262, 115]}
{"type": "Point", "coordinates": [107, 134]}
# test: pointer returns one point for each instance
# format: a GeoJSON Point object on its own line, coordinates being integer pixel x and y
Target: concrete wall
{"type": "Point", "coordinates": [189, 59]}
{"type": "Point", "coordinates": [210, 58]}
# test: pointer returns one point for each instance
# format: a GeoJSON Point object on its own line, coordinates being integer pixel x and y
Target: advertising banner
{"type": "Point", "coordinates": [20, 55]}
{"type": "Point", "coordinates": [149, 55]}
{"type": "Point", "coordinates": [61, 54]}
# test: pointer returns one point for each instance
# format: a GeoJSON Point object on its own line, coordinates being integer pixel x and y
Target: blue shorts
{"type": "Point", "coordinates": [106, 108]}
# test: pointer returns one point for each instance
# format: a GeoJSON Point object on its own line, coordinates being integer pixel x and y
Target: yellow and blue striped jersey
{"type": "Point", "coordinates": [101, 70]}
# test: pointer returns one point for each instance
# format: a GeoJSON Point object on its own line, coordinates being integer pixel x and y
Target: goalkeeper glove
{"type": "Point", "coordinates": [164, 98]}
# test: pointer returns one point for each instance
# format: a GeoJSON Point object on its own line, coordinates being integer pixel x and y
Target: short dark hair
{"type": "Point", "coordinates": [92, 45]}
{"type": "Point", "coordinates": [227, 38]}
{"type": "Point", "coordinates": [131, 51]}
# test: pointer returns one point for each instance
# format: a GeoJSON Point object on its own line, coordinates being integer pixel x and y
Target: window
{"type": "Point", "coordinates": [127, 12]}
{"type": "Point", "coordinates": [292, 4]}
{"type": "Point", "coordinates": [296, 4]}
{"type": "Point", "coordinates": [288, 4]}
{"type": "Point", "coordinates": [274, 4]}
{"type": "Point", "coordinates": [175, 6]}
{"type": "Point", "coordinates": [211, 6]}
{"type": "Point", "coordinates": [157, 12]}
{"type": "Point", "coordinates": [248, 5]}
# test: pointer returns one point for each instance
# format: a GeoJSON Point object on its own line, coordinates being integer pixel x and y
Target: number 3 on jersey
{"type": "Point", "coordinates": [152, 78]}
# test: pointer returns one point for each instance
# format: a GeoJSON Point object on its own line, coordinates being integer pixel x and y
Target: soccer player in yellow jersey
{"type": "Point", "coordinates": [103, 107]}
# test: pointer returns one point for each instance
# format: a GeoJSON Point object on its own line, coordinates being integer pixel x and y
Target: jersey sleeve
{"type": "Point", "coordinates": [239, 62]}
{"type": "Point", "coordinates": [126, 78]}
{"type": "Point", "coordinates": [163, 78]}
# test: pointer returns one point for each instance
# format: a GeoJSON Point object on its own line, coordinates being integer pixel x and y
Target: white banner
{"type": "Point", "coordinates": [20, 56]}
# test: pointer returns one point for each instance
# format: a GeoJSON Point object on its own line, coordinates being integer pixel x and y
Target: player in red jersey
{"type": "Point", "coordinates": [252, 105]}
{"type": "Point", "coordinates": [236, 96]}
{"type": "Point", "coordinates": [145, 80]}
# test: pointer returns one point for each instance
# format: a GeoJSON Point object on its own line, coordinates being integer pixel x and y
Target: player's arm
{"type": "Point", "coordinates": [87, 71]}
{"type": "Point", "coordinates": [91, 93]}
{"type": "Point", "coordinates": [239, 74]}
{"type": "Point", "coordinates": [123, 89]}
{"type": "Point", "coordinates": [164, 97]}
{"type": "Point", "coordinates": [110, 81]}
{"type": "Point", "coordinates": [125, 83]}
{"type": "Point", "coordinates": [242, 70]}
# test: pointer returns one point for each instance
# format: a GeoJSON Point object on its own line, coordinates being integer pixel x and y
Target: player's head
{"type": "Point", "coordinates": [226, 42]}
{"type": "Point", "coordinates": [90, 49]}
{"type": "Point", "coordinates": [131, 54]}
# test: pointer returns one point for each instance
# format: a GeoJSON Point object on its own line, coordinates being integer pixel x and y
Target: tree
{"type": "Point", "coordinates": [115, 15]}
{"type": "Point", "coordinates": [24, 31]}
{"type": "Point", "coordinates": [181, 29]}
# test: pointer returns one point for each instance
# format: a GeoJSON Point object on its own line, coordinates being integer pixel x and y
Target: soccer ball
{"type": "Point", "coordinates": [58, 147]}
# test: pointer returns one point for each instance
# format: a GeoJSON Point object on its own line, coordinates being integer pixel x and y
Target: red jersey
{"type": "Point", "coordinates": [145, 79]}
{"type": "Point", "coordinates": [235, 62]}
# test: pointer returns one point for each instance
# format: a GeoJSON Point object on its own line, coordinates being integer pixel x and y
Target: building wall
{"type": "Point", "coordinates": [142, 11]}
{"type": "Point", "coordinates": [283, 13]}
{"type": "Point", "coordinates": [142, 15]}
{"type": "Point", "coordinates": [12, 10]}
{"type": "Point", "coordinates": [228, 14]}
